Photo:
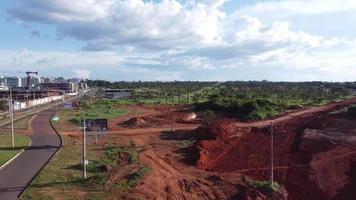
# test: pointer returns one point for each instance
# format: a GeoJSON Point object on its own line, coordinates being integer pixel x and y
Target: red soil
{"type": "Point", "coordinates": [311, 165]}
{"type": "Point", "coordinates": [164, 133]}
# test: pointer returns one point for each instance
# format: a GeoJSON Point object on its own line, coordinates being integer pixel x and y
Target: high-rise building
{"type": "Point", "coordinates": [13, 81]}
{"type": "Point", "coordinates": [24, 82]}
{"type": "Point", "coordinates": [59, 80]}
{"type": "Point", "coordinates": [3, 80]}
{"type": "Point", "coordinates": [45, 80]}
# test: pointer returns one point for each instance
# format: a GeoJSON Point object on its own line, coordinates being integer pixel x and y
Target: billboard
{"type": "Point", "coordinates": [97, 125]}
{"type": "Point", "coordinates": [68, 105]}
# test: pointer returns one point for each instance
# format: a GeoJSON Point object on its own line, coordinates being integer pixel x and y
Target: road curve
{"type": "Point", "coordinates": [16, 176]}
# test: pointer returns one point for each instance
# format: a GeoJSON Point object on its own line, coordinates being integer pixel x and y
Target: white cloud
{"type": "Point", "coordinates": [105, 24]}
{"type": "Point", "coordinates": [82, 73]}
{"type": "Point", "coordinates": [294, 7]}
{"type": "Point", "coordinates": [169, 37]}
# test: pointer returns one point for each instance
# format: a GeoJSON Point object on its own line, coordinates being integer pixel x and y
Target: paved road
{"type": "Point", "coordinates": [20, 172]}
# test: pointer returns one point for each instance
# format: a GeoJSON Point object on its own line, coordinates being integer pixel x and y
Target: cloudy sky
{"type": "Point", "coordinates": [290, 40]}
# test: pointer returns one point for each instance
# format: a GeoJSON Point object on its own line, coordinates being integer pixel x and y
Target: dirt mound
{"type": "Point", "coordinates": [312, 152]}
{"type": "Point", "coordinates": [169, 181]}
{"type": "Point", "coordinates": [135, 122]}
{"type": "Point", "coordinates": [189, 118]}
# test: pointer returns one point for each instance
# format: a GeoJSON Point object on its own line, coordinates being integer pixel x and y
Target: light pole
{"type": "Point", "coordinates": [11, 114]}
{"type": "Point", "coordinates": [34, 100]}
{"type": "Point", "coordinates": [272, 154]}
{"type": "Point", "coordinates": [84, 151]}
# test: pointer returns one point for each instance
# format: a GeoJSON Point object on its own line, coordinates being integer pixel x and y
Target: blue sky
{"type": "Point", "coordinates": [290, 40]}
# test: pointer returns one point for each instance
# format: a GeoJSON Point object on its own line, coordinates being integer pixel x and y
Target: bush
{"type": "Point", "coordinates": [4, 105]}
{"type": "Point", "coordinates": [207, 117]}
{"type": "Point", "coordinates": [266, 187]}
{"type": "Point", "coordinates": [351, 112]}
{"type": "Point", "coordinates": [115, 153]}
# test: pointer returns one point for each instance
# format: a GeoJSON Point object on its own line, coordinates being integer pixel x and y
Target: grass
{"type": "Point", "coordinates": [62, 177]}
{"type": "Point", "coordinates": [134, 179]}
{"type": "Point", "coordinates": [6, 151]}
{"type": "Point", "coordinates": [101, 109]}
{"type": "Point", "coordinates": [114, 152]}
{"type": "Point", "coordinates": [22, 123]}
{"type": "Point", "coordinates": [266, 187]}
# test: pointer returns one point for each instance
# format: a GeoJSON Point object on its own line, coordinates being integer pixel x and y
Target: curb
{"type": "Point", "coordinates": [37, 111]}
{"type": "Point", "coordinates": [60, 145]}
{"type": "Point", "coordinates": [17, 155]}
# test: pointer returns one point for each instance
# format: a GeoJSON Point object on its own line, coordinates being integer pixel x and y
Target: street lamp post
{"type": "Point", "coordinates": [84, 151]}
{"type": "Point", "coordinates": [11, 114]}
{"type": "Point", "coordinates": [272, 175]}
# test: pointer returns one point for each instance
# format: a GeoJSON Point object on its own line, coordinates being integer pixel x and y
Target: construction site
{"type": "Point", "coordinates": [313, 152]}
{"type": "Point", "coordinates": [32, 90]}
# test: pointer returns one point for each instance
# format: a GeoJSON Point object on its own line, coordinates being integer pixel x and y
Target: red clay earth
{"type": "Point", "coordinates": [315, 152]}
{"type": "Point", "coordinates": [167, 132]}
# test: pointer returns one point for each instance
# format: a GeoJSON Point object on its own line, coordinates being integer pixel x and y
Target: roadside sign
{"type": "Point", "coordinates": [99, 126]}
{"type": "Point", "coordinates": [68, 105]}
{"type": "Point", "coordinates": [55, 118]}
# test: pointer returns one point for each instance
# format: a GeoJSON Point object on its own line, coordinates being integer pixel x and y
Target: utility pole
{"type": "Point", "coordinates": [272, 175]}
{"type": "Point", "coordinates": [172, 96]}
{"type": "Point", "coordinates": [11, 114]}
{"type": "Point", "coordinates": [179, 95]}
{"type": "Point", "coordinates": [34, 100]}
{"type": "Point", "coordinates": [84, 151]}
{"type": "Point", "coordinates": [188, 95]}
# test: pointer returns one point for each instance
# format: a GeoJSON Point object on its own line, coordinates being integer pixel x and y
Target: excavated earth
{"type": "Point", "coordinates": [314, 151]}
{"type": "Point", "coordinates": [168, 135]}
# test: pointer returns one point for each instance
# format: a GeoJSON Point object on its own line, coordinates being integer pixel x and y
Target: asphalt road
{"type": "Point", "coordinates": [20, 172]}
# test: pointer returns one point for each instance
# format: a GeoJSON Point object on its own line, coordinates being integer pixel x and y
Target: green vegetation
{"type": "Point", "coordinates": [96, 109]}
{"type": "Point", "coordinates": [22, 123]}
{"type": "Point", "coordinates": [4, 105]}
{"type": "Point", "coordinates": [134, 178]}
{"type": "Point", "coordinates": [251, 100]}
{"type": "Point", "coordinates": [6, 150]}
{"type": "Point", "coordinates": [255, 102]}
{"type": "Point", "coordinates": [351, 112]}
{"type": "Point", "coordinates": [266, 187]}
{"type": "Point", "coordinates": [62, 177]}
{"type": "Point", "coordinates": [207, 117]}
{"type": "Point", "coordinates": [100, 109]}
{"type": "Point", "coordinates": [122, 152]}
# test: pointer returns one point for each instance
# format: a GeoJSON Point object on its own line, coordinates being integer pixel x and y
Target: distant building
{"type": "Point", "coordinates": [24, 82]}
{"type": "Point", "coordinates": [59, 80]}
{"type": "Point", "coordinates": [3, 87]}
{"type": "Point", "coordinates": [3, 80]}
{"type": "Point", "coordinates": [74, 80]}
{"type": "Point", "coordinates": [45, 79]}
{"type": "Point", "coordinates": [14, 82]}
{"type": "Point", "coordinates": [65, 87]}
{"type": "Point", "coordinates": [35, 82]}
{"type": "Point", "coordinates": [82, 86]}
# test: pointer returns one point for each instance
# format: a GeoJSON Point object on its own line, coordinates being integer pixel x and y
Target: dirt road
{"type": "Point", "coordinates": [297, 114]}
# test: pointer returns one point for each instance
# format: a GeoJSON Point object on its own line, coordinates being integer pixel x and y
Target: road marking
{"type": "Point", "coordinates": [17, 155]}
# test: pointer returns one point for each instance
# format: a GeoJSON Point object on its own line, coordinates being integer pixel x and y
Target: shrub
{"type": "Point", "coordinates": [207, 117]}
{"type": "Point", "coordinates": [266, 187]}
{"type": "Point", "coordinates": [351, 112]}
